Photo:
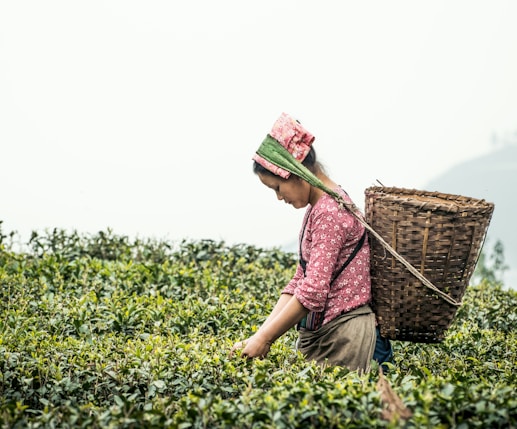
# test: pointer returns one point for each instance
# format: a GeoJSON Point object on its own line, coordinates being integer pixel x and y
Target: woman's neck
{"type": "Point", "coordinates": [316, 193]}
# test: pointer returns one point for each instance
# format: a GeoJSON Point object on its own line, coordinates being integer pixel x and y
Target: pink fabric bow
{"type": "Point", "coordinates": [291, 135]}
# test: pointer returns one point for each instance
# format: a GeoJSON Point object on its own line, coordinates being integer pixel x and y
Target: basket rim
{"type": "Point", "coordinates": [431, 200]}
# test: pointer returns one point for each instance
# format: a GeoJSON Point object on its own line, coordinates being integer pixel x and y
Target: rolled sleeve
{"type": "Point", "coordinates": [293, 283]}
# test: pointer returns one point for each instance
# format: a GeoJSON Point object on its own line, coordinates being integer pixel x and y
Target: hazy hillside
{"type": "Point", "coordinates": [492, 177]}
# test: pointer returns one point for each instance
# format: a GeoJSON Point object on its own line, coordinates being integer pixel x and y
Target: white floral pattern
{"type": "Point", "coordinates": [331, 234]}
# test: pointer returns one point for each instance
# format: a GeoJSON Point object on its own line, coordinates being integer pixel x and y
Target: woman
{"type": "Point", "coordinates": [328, 297]}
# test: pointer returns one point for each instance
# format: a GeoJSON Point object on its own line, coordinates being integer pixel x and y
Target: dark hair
{"type": "Point", "coordinates": [310, 162]}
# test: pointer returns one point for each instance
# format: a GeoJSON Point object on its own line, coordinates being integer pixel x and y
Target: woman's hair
{"type": "Point", "coordinates": [310, 162]}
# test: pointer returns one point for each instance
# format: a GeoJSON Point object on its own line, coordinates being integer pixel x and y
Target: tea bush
{"type": "Point", "coordinates": [104, 332]}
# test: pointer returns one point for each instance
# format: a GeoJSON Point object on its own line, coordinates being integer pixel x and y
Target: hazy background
{"type": "Point", "coordinates": [143, 116]}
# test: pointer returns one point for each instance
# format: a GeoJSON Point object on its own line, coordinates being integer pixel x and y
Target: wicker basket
{"type": "Point", "coordinates": [441, 236]}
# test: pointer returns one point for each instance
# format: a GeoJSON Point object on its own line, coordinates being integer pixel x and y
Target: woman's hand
{"type": "Point", "coordinates": [286, 314]}
{"type": "Point", "coordinates": [255, 346]}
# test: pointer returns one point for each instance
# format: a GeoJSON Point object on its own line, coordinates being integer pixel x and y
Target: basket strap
{"type": "Point", "coordinates": [275, 153]}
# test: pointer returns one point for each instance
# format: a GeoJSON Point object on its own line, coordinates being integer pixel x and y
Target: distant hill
{"type": "Point", "coordinates": [492, 177]}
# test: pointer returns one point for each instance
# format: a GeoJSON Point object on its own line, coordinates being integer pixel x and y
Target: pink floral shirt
{"type": "Point", "coordinates": [331, 234]}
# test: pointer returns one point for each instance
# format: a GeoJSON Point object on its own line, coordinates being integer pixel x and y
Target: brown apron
{"type": "Point", "coordinates": [348, 340]}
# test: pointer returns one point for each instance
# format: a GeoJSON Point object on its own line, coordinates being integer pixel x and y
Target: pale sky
{"type": "Point", "coordinates": [143, 116]}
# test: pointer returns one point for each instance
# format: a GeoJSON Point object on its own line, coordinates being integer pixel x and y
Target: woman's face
{"type": "Point", "coordinates": [294, 190]}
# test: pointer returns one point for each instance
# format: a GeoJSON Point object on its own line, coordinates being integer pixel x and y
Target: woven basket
{"type": "Point", "coordinates": [441, 236]}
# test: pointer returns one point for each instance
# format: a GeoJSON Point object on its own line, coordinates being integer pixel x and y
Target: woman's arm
{"type": "Point", "coordinates": [280, 304]}
{"type": "Point", "coordinates": [287, 313]}
{"type": "Point", "coordinates": [290, 314]}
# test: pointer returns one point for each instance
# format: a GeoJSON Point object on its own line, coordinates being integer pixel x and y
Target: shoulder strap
{"type": "Point", "coordinates": [352, 256]}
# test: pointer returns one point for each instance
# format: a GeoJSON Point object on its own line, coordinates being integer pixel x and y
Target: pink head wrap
{"type": "Point", "coordinates": [290, 134]}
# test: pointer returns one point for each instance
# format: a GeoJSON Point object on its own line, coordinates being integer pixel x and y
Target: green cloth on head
{"type": "Point", "coordinates": [275, 153]}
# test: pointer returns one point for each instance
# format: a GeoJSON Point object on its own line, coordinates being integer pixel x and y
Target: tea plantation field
{"type": "Point", "coordinates": [105, 332]}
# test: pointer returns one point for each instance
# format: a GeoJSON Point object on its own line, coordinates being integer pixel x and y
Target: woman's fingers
{"type": "Point", "coordinates": [251, 348]}
{"type": "Point", "coordinates": [237, 346]}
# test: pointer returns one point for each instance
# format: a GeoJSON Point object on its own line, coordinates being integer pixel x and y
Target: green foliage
{"type": "Point", "coordinates": [100, 331]}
